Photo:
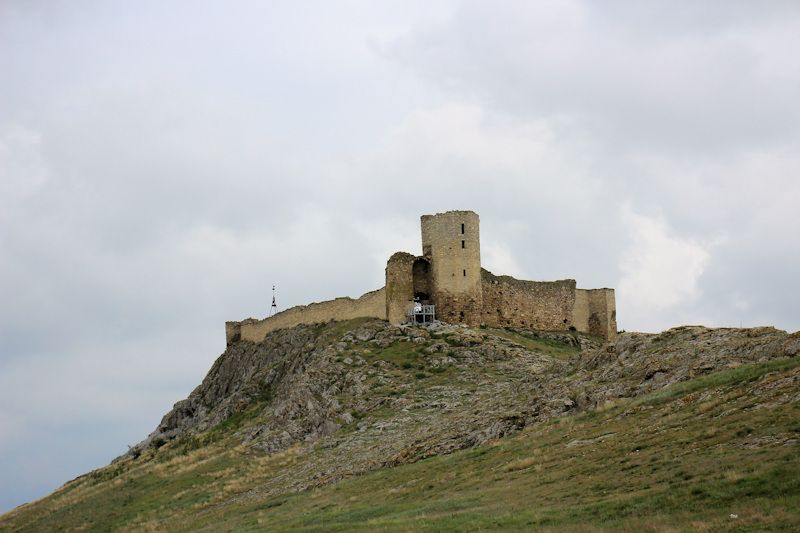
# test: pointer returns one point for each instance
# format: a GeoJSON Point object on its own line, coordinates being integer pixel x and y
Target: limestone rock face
{"type": "Point", "coordinates": [640, 363]}
{"type": "Point", "coordinates": [373, 394]}
{"type": "Point", "coordinates": [288, 375]}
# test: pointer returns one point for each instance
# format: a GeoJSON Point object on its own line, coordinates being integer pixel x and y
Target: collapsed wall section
{"type": "Point", "coordinates": [595, 312]}
{"type": "Point", "coordinates": [371, 304]}
{"type": "Point", "coordinates": [545, 305]}
{"type": "Point", "coordinates": [399, 286]}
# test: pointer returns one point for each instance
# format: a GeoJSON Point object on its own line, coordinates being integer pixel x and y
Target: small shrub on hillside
{"type": "Point", "coordinates": [134, 452]}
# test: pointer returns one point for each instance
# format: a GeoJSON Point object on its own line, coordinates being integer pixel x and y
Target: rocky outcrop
{"type": "Point", "coordinates": [372, 394]}
{"type": "Point", "coordinates": [641, 363]}
{"type": "Point", "coordinates": [288, 372]}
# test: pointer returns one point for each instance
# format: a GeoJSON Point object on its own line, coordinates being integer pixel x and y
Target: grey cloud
{"type": "Point", "coordinates": [651, 82]}
{"type": "Point", "coordinates": [162, 165]}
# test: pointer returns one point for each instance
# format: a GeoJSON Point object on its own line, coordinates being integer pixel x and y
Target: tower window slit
{"type": "Point", "coordinates": [463, 245]}
{"type": "Point", "coordinates": [465, 272]}
{"type": "Point", "coordinates": [462, 229]}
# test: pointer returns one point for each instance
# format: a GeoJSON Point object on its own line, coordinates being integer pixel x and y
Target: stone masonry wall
{"type": "Point", "coordinates": [595, 312]}
{"type": "Point", "coordinates": [580, 311]}
{"type": "Point", "coordinates": [451, 241]}
{"type": "Point", "coordinates": [545, 305]}
{"type": "Point", "coordinates": [399, 286]}
{"type": "Point", "coordinates": [371, 304]}
{"type": "Point", "coordinates": [464, 308]}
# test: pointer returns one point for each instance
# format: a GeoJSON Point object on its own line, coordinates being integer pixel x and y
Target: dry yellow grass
{"type": "Point", "coordinates": [520, 464]}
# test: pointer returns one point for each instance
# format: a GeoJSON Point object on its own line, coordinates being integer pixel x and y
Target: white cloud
{"type": "Point", "coordinates": [660, 270]}
{"type": "Point", "coordinates": [715, 81]}
{"type": "Point", "coordinates": [498, 258]}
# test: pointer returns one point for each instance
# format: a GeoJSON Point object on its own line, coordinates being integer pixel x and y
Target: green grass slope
{"type": "Point", "coordinates": [717, 452]}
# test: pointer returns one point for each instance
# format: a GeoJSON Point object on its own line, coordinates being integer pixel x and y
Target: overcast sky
{"type": "Point", "coordinates": [162, 164]}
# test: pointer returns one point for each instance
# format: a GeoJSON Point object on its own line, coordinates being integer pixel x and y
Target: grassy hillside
{"type": "Point", "coordinates": [717, 451]}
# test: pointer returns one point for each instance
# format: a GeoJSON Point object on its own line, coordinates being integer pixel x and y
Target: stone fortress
{"type": "Point", "coordinates": [449, 276]}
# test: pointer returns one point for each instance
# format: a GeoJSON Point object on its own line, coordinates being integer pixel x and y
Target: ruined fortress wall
{"type": "Point", "coordinates": [399, 286]}
{"type": "Point", "coordinates": [545, 305]}
{"type": "Point", "coordinates": [451, 241]}
{"type": "Point", "coordinates": [371, 304]}
{"type": "Point", "coordinates": [595, 312]}
{"type": "Point", "coordinates": [580, 311]}
{"type": "Point", "coordinates": [449, 275]}
{"type": "Point", "coordinates": [602, 302]}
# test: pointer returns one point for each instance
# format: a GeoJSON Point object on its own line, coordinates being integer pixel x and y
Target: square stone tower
{"type": "Point", "coordinates": [451, 244]}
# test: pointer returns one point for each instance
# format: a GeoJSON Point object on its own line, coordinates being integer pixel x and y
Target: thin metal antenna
{"type": "Point", "coordinates": [274, 308]}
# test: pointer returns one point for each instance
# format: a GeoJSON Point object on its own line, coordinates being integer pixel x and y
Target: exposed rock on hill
{"type": "Point", "coordinates": [688, 427]}
{"type": "Point", "coordinates": [641, 363]}
{"type": "Point", "coordinates": [383, 395]}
